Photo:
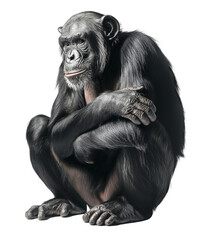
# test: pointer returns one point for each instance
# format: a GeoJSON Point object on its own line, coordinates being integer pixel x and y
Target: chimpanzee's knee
{"type": "Point", "coordinates": [83, 150]}
{"type": "Point", "coordinates": [79, 148]}
{"type": "Point", "coordinates": [37, 129]}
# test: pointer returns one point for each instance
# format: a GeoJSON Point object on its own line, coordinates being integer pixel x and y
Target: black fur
{"type": "Point", "coordinates": [101, 154]}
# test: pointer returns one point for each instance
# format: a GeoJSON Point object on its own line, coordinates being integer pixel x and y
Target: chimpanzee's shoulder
{"type": "Point", "coordinates": [138, 42]}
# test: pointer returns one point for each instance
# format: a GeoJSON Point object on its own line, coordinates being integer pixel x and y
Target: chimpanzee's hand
{"type": "Point", "coordinates": [135, 107]}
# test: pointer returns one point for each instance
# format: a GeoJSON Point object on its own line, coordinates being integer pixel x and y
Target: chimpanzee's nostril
{"type": "Point", "coordinates": [72, 55]}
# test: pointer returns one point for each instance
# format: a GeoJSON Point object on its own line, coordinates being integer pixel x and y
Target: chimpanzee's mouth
{"type": "Point", "coordinates": [74, 73]}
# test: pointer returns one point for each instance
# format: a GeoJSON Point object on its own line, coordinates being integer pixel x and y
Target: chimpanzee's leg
{"type": "Point", "coordinates": [113, 135]}
{"type": "Point", "coordinates": [66, 201]}
{"type": "Point", "coordinates": [140, 178]}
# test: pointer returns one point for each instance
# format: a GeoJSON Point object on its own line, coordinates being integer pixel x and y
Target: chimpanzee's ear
{"type": "Point", "coordinates": [111, 26]}
{"type": "Point", "coordinates": [60, 29]}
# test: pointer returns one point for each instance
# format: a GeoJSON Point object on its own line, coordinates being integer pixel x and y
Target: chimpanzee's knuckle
{"type": "Point", "coordinates": [135, 112]}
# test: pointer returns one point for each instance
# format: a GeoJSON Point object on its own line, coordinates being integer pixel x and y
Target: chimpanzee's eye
{"type": "Point", "coordinates": [80, 41]}
{"type": "Point", "coordinates": [66, 44]}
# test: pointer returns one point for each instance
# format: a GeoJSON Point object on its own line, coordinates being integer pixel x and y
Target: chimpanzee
{"type": "Point", "coordinates": [116, 128]}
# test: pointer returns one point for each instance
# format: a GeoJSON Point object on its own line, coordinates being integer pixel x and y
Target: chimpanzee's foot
{"type": "Point", "coordinates": [52, 208]}
{"type": "Point", "coordinates": [114, 212]}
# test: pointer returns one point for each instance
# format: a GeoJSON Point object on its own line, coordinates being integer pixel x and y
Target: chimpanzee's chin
{"type": "Point", "coordinates": [76, 82]}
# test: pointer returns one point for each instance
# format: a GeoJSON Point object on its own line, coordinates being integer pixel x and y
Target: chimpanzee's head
{"type": "Point", "coordinates": [85, 42]}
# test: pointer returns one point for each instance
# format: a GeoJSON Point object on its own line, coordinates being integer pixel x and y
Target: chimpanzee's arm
{"type": "Point", "coordinates": [106, 107]}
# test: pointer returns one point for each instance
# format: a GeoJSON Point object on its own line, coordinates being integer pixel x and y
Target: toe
{"type": "Point", "coordinates": [32, 213]}
{"type": "Point", "coordinates": [41, 213]}
{"type": "Point", "coordinates": [87, 215]}
{"type": "Point", "coordinates": [111, 220]}
{"type": "Point", "coordinates": [65, 210]}
{"type": "Point", "coordinates": [94, 217]}
{"type": "Point", "coordinates": [101, 220]}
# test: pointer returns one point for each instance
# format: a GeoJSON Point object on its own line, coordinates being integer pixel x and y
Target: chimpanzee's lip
{"type": "Point", "coordinates": [74, 73]}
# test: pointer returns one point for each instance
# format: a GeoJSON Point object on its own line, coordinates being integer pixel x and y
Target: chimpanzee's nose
{"type": "Point", "coordinates": [72, 55]}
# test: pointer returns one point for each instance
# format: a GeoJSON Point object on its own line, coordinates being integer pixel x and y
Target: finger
{"type": "Point", "coordinates": [94, 217]}
{"type": "Point", "coordinates": [136, 88]}
{"type": "Point", "coordinates": [141, 116]}
{"type": "Point", "coordinates": [132, 88]}
{"type": "Point", "coordinates": [103, 218]}
{"type": "Point", "coordinates": [132, 118]}
{"type": "Point", "coordinates": [147, 102]}
{"type": "Point", "coordinates": [110, 220]}
{"type": "Point", "coordinates": [149, 112]}
{"type": "Point", "coordinates": [151, 115]}
{"type": "Point", "coordinates": [141, 106]}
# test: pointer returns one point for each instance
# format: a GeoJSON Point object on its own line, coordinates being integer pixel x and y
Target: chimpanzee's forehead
{"type": "Point", "coordinates": [78, 27]}
{"type": "Point", "coordinates": [75, 27]}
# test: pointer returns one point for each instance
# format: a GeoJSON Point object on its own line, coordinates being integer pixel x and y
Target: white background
{"type": "Point", "coordinates": [29, 61]}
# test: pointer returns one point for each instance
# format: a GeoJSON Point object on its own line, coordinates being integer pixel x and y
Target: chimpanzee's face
{"type": "Point", "coordinates": [80, 46]}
